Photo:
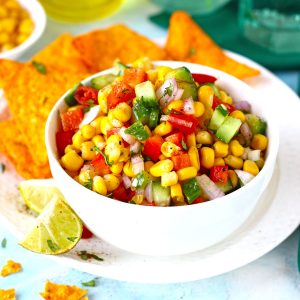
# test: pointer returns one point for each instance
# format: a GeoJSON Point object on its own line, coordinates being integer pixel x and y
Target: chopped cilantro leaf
{"type": "Point", "coordinates": [52, 246]}
{"type": "Point", "coordinates": [2, 168]}
{"type": "Point", "coordinates": [89, 283]}
{"type": "Point", "coordinates": [72, 238]}
{"type": "Point", "coordinates": [97, 150]}
{"type": "Point", "coordinates": [88, 184]}
{"type": "Point", "coordinates": [3, 243]}
{"type": "Point", "coordinates": [184, 145]}
{"type": "Point", "coordinates": [39, 67]}
{"type": "Point", "coordinates": [84, 255]}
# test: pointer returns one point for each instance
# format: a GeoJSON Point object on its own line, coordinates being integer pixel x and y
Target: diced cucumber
{"type": "Point", "coordinates": [161, 195]}
{"type": "Point", "coordinates": [102, 81]}
{"type": "Point", "coordinates": [219, 115]}
{"type": "Point", "coordinates": [120, 68]}
{"type": "Point", "coordinates": [146, 92]}
{"type": "Point", "coordinates": [189, 89]}
{"type": "Point", "coordinates": [256, 124]}
{"type": "Point", "coordinates": [244, 177]}
{"type": "Point", "coordinates": [228, 129]}
{"type": "Point", "coordinates": [226, 188]}
{"type": "Point", "coordinates": [191, 190]}
{"type": "Point", "coordinates": [69, 99]}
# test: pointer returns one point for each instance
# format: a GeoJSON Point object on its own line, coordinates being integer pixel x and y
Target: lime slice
{"type": "Point", "coordinates": [57, 229]}
{"type": "Point", "coordinates": [37, 193]}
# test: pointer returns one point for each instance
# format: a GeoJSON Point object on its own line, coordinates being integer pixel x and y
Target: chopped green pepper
{"type": "Point", "coordinates": [137, 130]}
{"type": "Point", "coordinates": [191, 190]}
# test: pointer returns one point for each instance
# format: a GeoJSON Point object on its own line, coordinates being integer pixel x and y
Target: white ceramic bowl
{"type": "Point", "coordinates": [38, 16]}
{"type": "Point", "coordinates": [167, 230]}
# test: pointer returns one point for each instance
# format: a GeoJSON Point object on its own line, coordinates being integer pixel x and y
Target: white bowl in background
{"type": "Point", "coordinates": [167, 230]}
{"type": "Point", "coordinates": [38, 15]}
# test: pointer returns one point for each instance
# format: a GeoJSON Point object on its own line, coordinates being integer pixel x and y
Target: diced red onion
{"type": "Point", "coordinates": [245, 154]}
{"type": "Point", "coordinates": [246, 131]}
{"type": "Point", "coordinates": [130, 139]}
{"type": "Point", "coordinates": [244, 176]}
{"type": "Point", "coordinates": [164, 118]}
{"type": "Point", "coordinates": [90, 116]}
{"type": "Point", "coordinates": [126, 181]}
{"type": "Point", "coordinates": [179, 94]}
{"type": "Point", "coordinates": [243, 105]}
{"type": "Point", "coordinates": [137, 164]}
{"type": "Point", "coordinates": [254, 155]}
{"type": "Point", "coordinates": [166, 93]}
{"type": "Point", "coordinates": [149, 192]}
{"type": "Point", "coordinates": [136, 147]}
{"type": "Point", "coordinates": [188, 106]}
{"type": "Point", "coordinates": [88, 167]}
{"type": "Point", "coordinates": [209, 187]}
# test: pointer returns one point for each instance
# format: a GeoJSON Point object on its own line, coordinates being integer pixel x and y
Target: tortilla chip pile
{"type": "Point", "coordinates": [8, 294]}
{"type": "Point", "coordinates": [10, 267]}
{"type": "Point", "coordinates": [32, 88]}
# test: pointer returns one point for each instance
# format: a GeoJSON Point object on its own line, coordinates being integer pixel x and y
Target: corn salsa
{"type": "Point", "coordinates": [159, 136]}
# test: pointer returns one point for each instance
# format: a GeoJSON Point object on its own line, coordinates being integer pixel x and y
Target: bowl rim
{"type": "Point", "coordinates": [271, 158]}
{"type": "Point", "coordinates": [38, 16]}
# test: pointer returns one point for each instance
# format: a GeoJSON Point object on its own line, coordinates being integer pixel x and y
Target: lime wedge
{"type": "Point", "coordinates": [57, 229]}
{"type": "Point", "coordinates": [37, 193]}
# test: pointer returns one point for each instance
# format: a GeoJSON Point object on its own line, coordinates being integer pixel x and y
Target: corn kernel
{"type": "Point", "coordinates": [137, 199]}
{"type": "Point", "coordinates": [148, 164]}
{"type": "Point", "coordinates": [99, 141]}
{"type": "Point", "coordinates": [233, 178]}
{"type": "Point", "coordinates": [77, 140]}
{"type": "Point", "coordinates": [206, 95]}
{"type": "Point", "coordinates": [199, 109]}
{"type": "Point", "coordinates": [260, 163]}
{"type": "Point", "coordinates": [250, 167]}
{"type": "Point", "coordinates": [169, 149]}
{"type": "Point", "coordinates": [125, 155]}
{"type": "Point", "coordinates": [86, 150]}
{"type": "Point", "coordinates": [234, 162]}
{"type": "Point", "coordinates": [72, 161]}
{"type": "Point", "coordinates": [70, 148]}
{"type": "Point", "coordinates": [4, 38]}
{"type": "Point", "coordinates": [122, 112]}
{"type": "Point", "coordinates": [207, 157]}
{"type": "Point", "coordinates": [187, 173]}
{"type": "Point", "coordinates": [152, 75]}
{"type": "Point", "coordinates": [111, 182]}
{"type": "Point", "coordinates": [163, 166]}
{"type": "Point", "coordinates": [97, 124]}
{"type": "Point", "coordinates": [142, 63]}
{"type": "Point", "coordinates": [102, 98]}
{"type": "Point", "coordinates": [236, 148]}
{"type": "Point", "coordinates": [162, 71]}
{"type": "Point", "coordinates": [176, 105]}
{"type": "Point", "coordinates": [219, 161]}
{"type": "Point", "coordinates": [128, 169]}
{"type": "Point", "coordinates": [225, 98]}
{"type": "Point", "coordinates": [168, 179]}
{"type": "Point", "coordinates": [191, 140]}
{"type": "Point", "coordinates": [105, 125]}
{"type": "Point", "coordinates": [238, 115]}
{"type": "Point", "coordinates": [85, 176]}
{"type": "Point", "coordinates": [113, 121]}
{"type": "Point", "coordinates": [26, 26]}
{"type": "Point", "coordinates": [117, 168]}
{"type": "Point", "coordinates": [162, 157]}
{"type": "Point", "coordinates": [99, 185]}
{"type": "Point", "coordinates": [88, 131]}
{"type": "Point", "coordinates": [259, 142]}
{"type": "Point", "coordinates": [221, 149]}
{"type": "Point", "coordinates": [204, 138]}
{"type": "Point", "coordinates": [176, 193]}
{"type": "Point", "coordinates": [163, 128]}
{"type": "Point", "coordinates": [194, 157]}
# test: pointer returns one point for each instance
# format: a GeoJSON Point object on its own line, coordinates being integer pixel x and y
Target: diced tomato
{"type": "Point", "coordinates": [203, 78]}
{"type": "Point", "coordinates": [199, 200]}
{"type": "Point", "coordinates": [175, 138]}
{"type": "Point", "coordinates": [152, 147]}
{"type": "Point", "coordinates": [112, 131]}
{"type": "Point", "coordinates": [185, 123]}
{"type": "Point", "coordinates": [86, 95]}
{"type": "Point", "coordinates": [86, 234]}
{"type": "Point", "coordinates": [99, 163]}
{"type": "Point", "coordinates": [217, 102]}
{"type": "Point", "coordinates": [219, 174]}
{"type": "Point", "coordinates": [181, 161]}
{"type": "Point", "coordinates": [71, 119]}
{"type": "Point", "coordinates": [134, 76]}
{"type": "Point", "coordinates": [146, 203]}
{"type": "Point", "coordinates": [121, 92]}
{"type": "Point", "coordinates": [122, 194]}
{"type": "Point", "coordinates": [63, 139]}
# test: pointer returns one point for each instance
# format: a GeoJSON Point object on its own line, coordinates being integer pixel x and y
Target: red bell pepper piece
{"type": "Point", "coordinates": [86, 95]}
{"type": "Point", "coordinates": [99, 163]}
{"type": "Point", "coordinates": [71, 119]}
{"type": "Point", "coordinates": [199, 200]}
{"type": "Point", "coordinates": [185, 123]}
{"type": "Point", "coordinates": [63, 139]}
{"type": "Point", "coordinates": [219, 174]}
{"type": "Point", "coordinates": [203, 78]}
{"type": "Point", "coordinates": [121, 92]}
{"type": "Point", "coordinates": [217, 102]}
{"type": "Point", "coordinates": [134, 76]}
{"type": "Point", "coordinates": [175, 138]}
{"type": "Point", "coordinates": [86, 234]}
{"type": "Point", "coordinates": [152, 147]}
{"type": "Point", "coordinates": [122, 194]}
{"type": "Point", "coordinates": [181, 161]}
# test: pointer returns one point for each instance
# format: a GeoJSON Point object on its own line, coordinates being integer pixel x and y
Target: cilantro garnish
{"type": "Point", "coordinates": [39, 67]}
{"type": "Point", "coordinates": [84, 255]}
{"type": "Point", "coordinates": [192, 51]}
{"type": "Point", "coordinates": [184, 145]}
{"type": "Point", "coordinates": [72, 238]}
{"type": "Point", "coordinates": [52, 246]}
{"type": "Point", "coordinates": [3, 243]}
{"type": "Point", "coordinates": [97, 150]}
{"type": "Point", "coordinates": [88, 184]}
{"type": "Point", "coordinates": [2, 167]}
{"type": "Point", "coordinates": [89, 283]}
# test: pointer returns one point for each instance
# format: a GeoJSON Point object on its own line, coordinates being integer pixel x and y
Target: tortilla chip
{"type": "Point", "coordinates": [100, 48]}
{"type": "Point", "coordinates": [55, 291]}
{"type": "Point", "coordinates": [11, 267]}
{"type": "Point", "coordinates": [8, 294]}
{"type": "Point", "coordinates": [8, 68]}
{"type": "Point", "coordinates": [188, 42]}
{"type": "Point", "coordinates": [62, 55]}
{"type": "Point", "coordinates": [13, 146]}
